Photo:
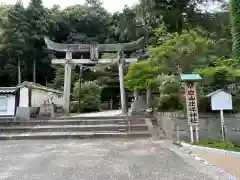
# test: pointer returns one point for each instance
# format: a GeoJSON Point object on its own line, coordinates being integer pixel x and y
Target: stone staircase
{"type": "Point", "coordinates": [76, 128]}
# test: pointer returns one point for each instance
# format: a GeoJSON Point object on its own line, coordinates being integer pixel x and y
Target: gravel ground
{"type": "Point", "coordinates": [98, 160]}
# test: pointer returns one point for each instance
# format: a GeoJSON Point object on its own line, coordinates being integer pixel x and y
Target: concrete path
{"type": "Point", "coordinates": [230, 164]}
{"type": "Point", "coordinates": [100, 114]}
{"type": "Point", "coordinates": [98, 160]}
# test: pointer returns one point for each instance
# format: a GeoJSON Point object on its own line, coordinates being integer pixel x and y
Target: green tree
{"type": "Point", "coordinates": [223, 74]}
{"type": "Point", "coordinates": [170, 93]}
{"type": "Point", "coordinates": [107, 76]}
{"type": "Point", "coordinates": [89, 20]}
{"type": "Point", "coordinates": [58, 81]}
{"type": "Point", "coordinates": [141, 75]}
{"type": "Point", "coordinates": [182, 53]}
{"type": "Point", "coordinates": [40, 24]}
{"type": "Point", "coordinates": [234, 9]}
{"type": "Point", "coordinates": [13, 39]}
{"type": "Point", "coordinates": [90, 97]}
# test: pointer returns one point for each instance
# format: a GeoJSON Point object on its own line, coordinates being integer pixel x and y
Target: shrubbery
{"type": "Point", "coordinates": [90, 97]}
{"type": "Point", "coordinates": [219, 144]}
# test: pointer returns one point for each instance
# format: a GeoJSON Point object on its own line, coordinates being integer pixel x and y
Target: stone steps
{"type": "Point", "coordinates": [74, 128]}
{"type": "Point", "coordinates": [74, 135]}
{"type": "Point", "coordinates": [93, 117]}
{"type": "Point", "coordinates": [70, 122]}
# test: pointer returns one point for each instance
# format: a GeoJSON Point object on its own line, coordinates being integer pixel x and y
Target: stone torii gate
{"type": "Point", "coordinates": [94, 50]}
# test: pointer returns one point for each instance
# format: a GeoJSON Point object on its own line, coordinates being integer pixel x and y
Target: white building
{"type": "Point", "coordinates": [7, 101]}
{"type": "Point", "coordinates": [26, 94]}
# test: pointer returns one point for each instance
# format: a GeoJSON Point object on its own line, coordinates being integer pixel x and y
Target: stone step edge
{"type": "Point", "coordinates": [72, 135]}
{"type": "Point", "coordinates": [69, 126]}
{"type": "Point", "coordinates": [70, 120]}
{"type": "Point", "coordinates": [93, 118]}
{"type": "Point", "coordinates": [81, 117]}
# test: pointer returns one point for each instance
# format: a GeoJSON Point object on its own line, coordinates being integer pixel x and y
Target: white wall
{"type": "Point", "coordinates": [38, 97]}
{"type": "Point", "coordinates": [23, 97]}
{"type": "Point", "coordinates": [10, 105]}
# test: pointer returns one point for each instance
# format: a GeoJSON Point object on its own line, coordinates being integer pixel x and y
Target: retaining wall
{"type": "Point", "coordinates": [209, 126]}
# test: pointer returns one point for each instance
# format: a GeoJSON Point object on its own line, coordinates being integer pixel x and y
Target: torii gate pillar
{"type": "Point", "coordinates": [121, 63]}
{"type": "Point", "coordinates": [67, 82]}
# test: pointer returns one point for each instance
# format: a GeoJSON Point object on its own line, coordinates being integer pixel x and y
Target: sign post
{"type": "Point", "coordinates": [221, 100]}
{"type": "Point", "coordinates": [222, 124]}
{"type": "Point", "coordinates": [190, 81]}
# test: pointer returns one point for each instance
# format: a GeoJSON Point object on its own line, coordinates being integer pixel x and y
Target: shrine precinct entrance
{"type": "Point", "coordinates": [95, 51]}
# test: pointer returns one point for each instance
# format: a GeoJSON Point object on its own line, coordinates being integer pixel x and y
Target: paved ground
{"type": "Point", "coordinates": [99, 114]}
{"type": "Point", "coordinates": [230, 164]}
{"type": "Point", "coordinates": [97, 160]}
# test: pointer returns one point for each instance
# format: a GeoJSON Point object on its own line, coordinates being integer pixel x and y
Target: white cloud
{"type": "Point", "coordinates": [110, 5]}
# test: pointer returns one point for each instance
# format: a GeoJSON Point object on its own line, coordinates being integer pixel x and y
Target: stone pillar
{"type": "Point", "coordinates": [136, 94]}
{"type": "Point", "coordinates": [121, 80]}
{"type": "Point", "coordinates": [67, 82]}
{"type": "Point", "coordinates": [149, 93]}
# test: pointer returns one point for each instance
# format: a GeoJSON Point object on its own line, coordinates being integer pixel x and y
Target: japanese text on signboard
{"type": "Point", "coordinates": [192, 104]}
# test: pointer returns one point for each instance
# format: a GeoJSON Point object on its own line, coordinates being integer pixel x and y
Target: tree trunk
{"type": "Point", "coordinates": [19, 71]}
{"type": "Point", "coordinates": [149, 93]}
{"type": "Point", "coordinates": [34, 71]}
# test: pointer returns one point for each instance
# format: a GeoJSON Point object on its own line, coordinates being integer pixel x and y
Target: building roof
{"type": "Point", "coordinates": [28, 85]}
{"type": "Point", "coordinates": [219, 90]}
{"type": "Point", "coordinates": [190, 77]}
{"type": "Point", "coordinates": [37, 86]}
{"type": "Point", "coordinates": [8, 89]}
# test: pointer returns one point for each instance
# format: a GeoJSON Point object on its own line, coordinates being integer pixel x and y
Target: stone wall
{"type": "Point", "coordinates": [209, 124]}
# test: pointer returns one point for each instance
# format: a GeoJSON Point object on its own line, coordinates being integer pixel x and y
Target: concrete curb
{"type": "Point", "coordinates": [188, 147]}
{"type": "Point", "coordinates": [208, 149]}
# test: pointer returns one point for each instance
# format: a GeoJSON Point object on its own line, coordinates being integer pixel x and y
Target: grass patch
{"type": "Point", "coordinates": [219, 144]}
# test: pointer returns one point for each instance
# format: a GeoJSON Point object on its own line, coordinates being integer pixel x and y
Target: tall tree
{"type": "Point", "coordinates": [41, 24]}
{"type": "Point", "coordinates": [234, 8]}
{"type": "Point", "coordinates": [13, 39]}
{"type": "Point", "coordinates": [88, 21]}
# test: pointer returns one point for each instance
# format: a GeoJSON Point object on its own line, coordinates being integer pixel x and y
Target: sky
{"type": "Point", "coordinates": [110, 5]}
